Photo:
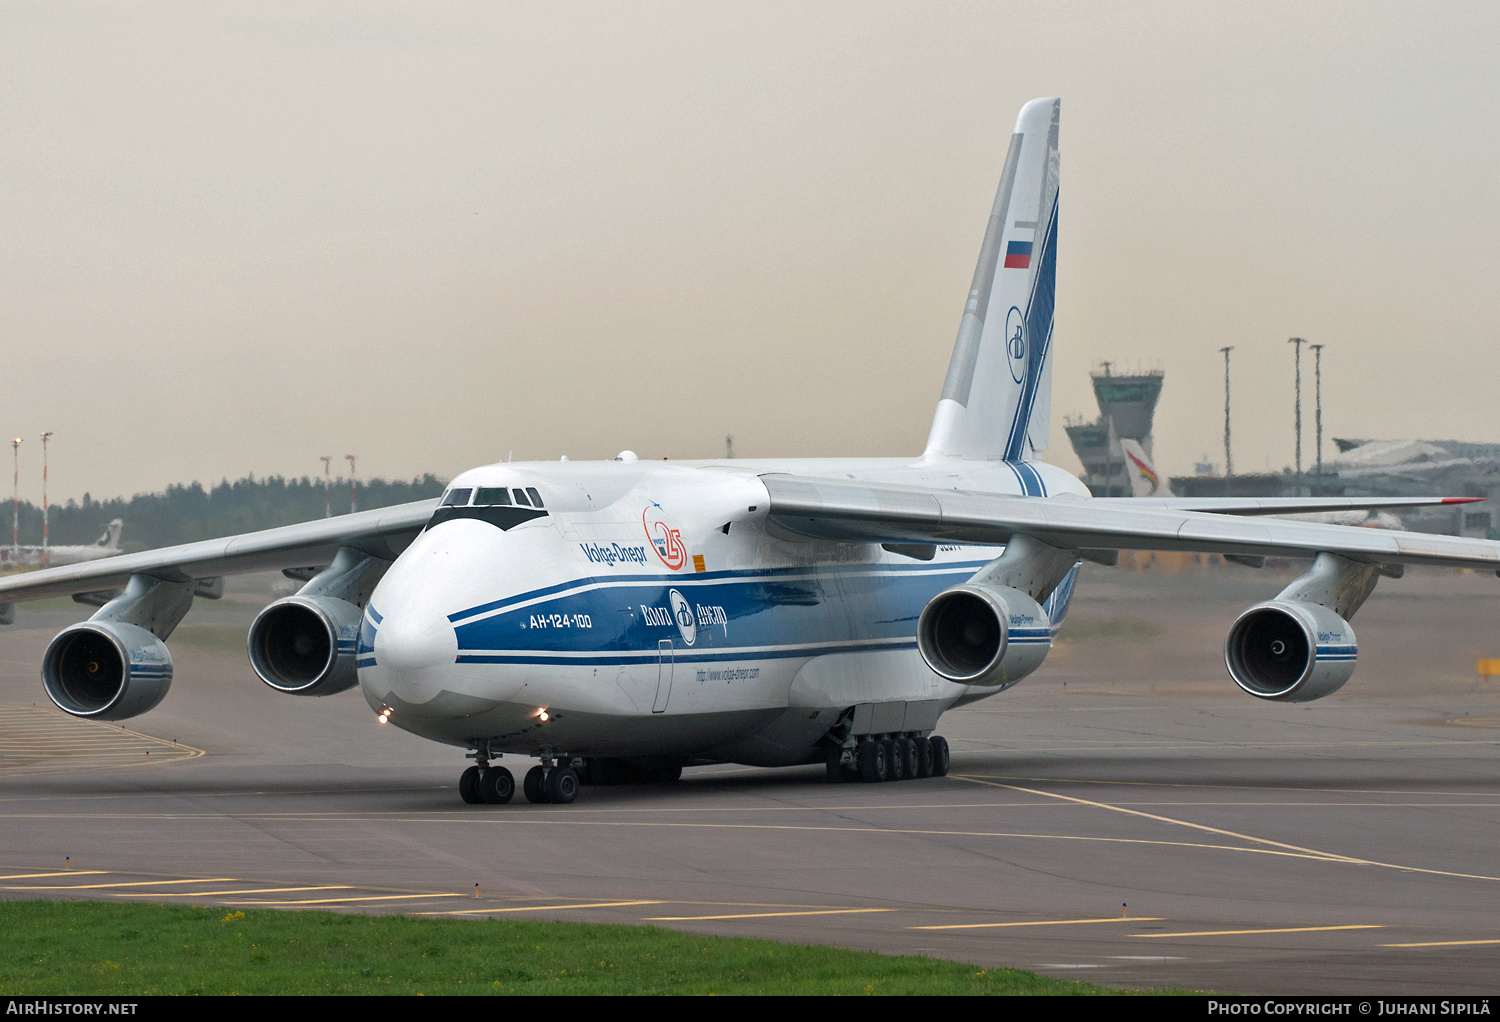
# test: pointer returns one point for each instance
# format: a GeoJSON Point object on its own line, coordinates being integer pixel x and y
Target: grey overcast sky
{"type": "Point", "coordinates": [235, 237]}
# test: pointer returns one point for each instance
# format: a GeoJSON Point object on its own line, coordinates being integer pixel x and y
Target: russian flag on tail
{"type": "Point", "coordinates": [1018, 255]}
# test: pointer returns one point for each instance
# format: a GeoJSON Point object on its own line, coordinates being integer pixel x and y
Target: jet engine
{"type": "Point", "coordinates": [982, 634]}
{"type": "Point", "coordinates": [305, 645]}
{"type": "Point", "coordinates": [1291, 651]}
{"type": "Point", "coordinates": [106, 670]}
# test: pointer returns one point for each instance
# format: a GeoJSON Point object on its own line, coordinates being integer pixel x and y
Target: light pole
{"type": "Point", "coordinates": [15, 522]}
{"type": "Point", "coordinates": [353, 486]}
{"type": "Point", "coordinates": [327, 479]}
{"type": "Point", "coordinates": [1228, 458]}
{"type": "Point", "coordinates": [1298, 342]}
{"type": "Point", "coordinates": [46, 556]}
{"type": "Point", "coordinates": [1317, 350]}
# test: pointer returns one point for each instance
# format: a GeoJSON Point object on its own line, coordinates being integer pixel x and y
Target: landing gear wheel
{"type": "Point", "coordinates": [532, 784]}
{"type": "Point", "coordinates": [908, 747]}
{"type": "Point", "coordinates": [896, 752]}
{"type": "Point", "coordinates": [561, 785]}
{"type": "Point", "coordinates": [924, 757]}
{"type": "Point", "coordinates": [468, 786]}
{"type": "Point", "coordinates": [496, 786]}
{"type": "Point", "coordinates": [873, 762]}
{"type": "Point", "coordinates": [939, 756]}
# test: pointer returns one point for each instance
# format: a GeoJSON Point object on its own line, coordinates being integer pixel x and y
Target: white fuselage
{"type": "Point", "coordinates": [651, 609]}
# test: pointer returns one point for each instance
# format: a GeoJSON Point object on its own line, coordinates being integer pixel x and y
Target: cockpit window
{"type": "Point", "coordinates": [536, 498]}
{"type": "Point", "coordinates": [491, 495]}
{"type": "Point", "coordinates": [458, 496]}
{"type": "Point", "coordinates": [521, 497]}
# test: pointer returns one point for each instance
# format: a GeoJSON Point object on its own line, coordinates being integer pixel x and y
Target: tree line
{"type": "Point", "coordinates": [184, 514]}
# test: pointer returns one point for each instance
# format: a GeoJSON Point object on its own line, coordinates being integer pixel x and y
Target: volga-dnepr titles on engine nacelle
{"type": "Point", "coordinates": [978, 634]}
{"type": "Point", "coordinates": [1290, 651]}
{"type": "Point", "coordinates": [305, 645]}
{"type": "Point", "coordinates": [106, 670]}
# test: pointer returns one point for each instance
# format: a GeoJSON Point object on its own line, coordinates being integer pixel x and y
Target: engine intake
{"type": "Point", "coordinates": [1290, 651]}
{"type": "Point", "coordinates": [978, 634]}
{"type": "Point", "coordinates": [305, 645]}
{"type": "Point", "coordinates": [106, 670]}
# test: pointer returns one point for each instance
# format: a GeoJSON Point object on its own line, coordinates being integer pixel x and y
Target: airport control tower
{"type": "Point", "coordinates": [1127, 405]}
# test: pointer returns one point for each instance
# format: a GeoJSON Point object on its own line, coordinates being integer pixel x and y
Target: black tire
{"type": "Point", "coordinates": [913, 758]}
{"type": "Point", "coordinates": [924, 758]}
{"type": "Point", "coordinates": [561, 785]}
{"type": "Point", "coordinates": [497, 786]}
{"type": "Point", "coordinates": [895, 751]}
{"type": "Point", "coordinates": [939, 756]}
{"type": "Point", "coordinates": [532, 784]}
{"type": "Point", "coordinates": [468, 786]}
{"type": "Point", "coordinates": [874, 764]}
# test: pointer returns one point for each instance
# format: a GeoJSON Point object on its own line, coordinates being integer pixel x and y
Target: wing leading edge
{"type": "Point", "coordinates": [383, 533]}
{"type": "Point", "coordinates": [862, 512]}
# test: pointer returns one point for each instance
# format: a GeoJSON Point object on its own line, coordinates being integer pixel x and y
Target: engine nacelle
{"type": "Point", "coordinates": [305, 645]}
{"type": "Point", "coordinates": [106, 670]}
{"type": "Point", "coordinates": [978, 634]}
{"type": "Point", "coordinates": [1291, 651]}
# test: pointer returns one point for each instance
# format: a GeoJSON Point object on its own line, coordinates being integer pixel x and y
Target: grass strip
{"type": "Point", "coordinates": [75, 948]}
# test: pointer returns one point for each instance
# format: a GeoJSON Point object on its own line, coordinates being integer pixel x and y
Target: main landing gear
{"type": "Point", "coordinates": [897, 757]}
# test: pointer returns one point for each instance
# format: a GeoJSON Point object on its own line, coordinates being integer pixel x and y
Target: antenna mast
{"type": "Point", "coordinates": [1298, 342]}
{"type": "Point", "coordinates": [15, 522]}
{"type": "Point", "coordinates": [46, 555]}
{"type": "Point", "coordinates": [1317, 350]}
{"type": "Point", "coordinates": [1228, 458]}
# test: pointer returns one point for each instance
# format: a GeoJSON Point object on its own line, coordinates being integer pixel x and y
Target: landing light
{"type": "Point", "coordinates": [542, 714]}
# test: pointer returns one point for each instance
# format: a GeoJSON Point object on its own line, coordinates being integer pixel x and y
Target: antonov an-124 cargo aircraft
{"type": "Point", "coordinates": [618, 620]}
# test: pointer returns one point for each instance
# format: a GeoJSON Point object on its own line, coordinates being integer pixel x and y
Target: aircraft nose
{"type": "Point", "coordinates": [418, 648]}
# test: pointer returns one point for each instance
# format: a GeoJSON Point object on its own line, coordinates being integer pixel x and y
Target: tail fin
{"type": "Point", "coordinates": [1144, 481]}
{"type": "Point", "coordinates": [111, 538]}
{"type": "Point", "coordinates": [997, 399]}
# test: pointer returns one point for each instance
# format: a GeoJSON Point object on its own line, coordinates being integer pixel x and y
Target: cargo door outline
{"type": "Point", "coordinates": [664, 661]}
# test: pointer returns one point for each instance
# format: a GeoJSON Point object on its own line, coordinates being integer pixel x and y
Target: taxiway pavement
{"type": "Point", "coordinates": [1125, 816]}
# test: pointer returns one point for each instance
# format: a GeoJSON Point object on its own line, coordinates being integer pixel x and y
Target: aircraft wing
{"type": "Point", "coordinates": [384, 533]}
{"type": "Point", "coordinates": [1280, 505]}
{"type": "Point", "coordinates": [864, 512]}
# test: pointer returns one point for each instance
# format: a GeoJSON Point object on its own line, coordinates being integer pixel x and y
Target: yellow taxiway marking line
{"type": "Point", "coordinates": [1443, 943]}
{"type": "Point", "coordinates": [330, 901]}
{"type": "Point", "coordinates": [541, 908]}
{"type": "Point", "coordinates": [65, 873]}
{"type": "Point", "coordinates": [1284, 929]}
{"type": "Point", "coordinates": [133, 883]}
{"type": "Point", "coordinates": [1296, 850]}
{"type": "Point", "coordinates": [768, 915]}
{"type": "Point", "coordinates": [1043, 922]}
{"type": "Point", "coordinates": [255, 890]}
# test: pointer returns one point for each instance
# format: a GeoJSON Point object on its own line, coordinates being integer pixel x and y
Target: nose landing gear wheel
{"type": "Point", "coordinates": [496, 786]}
{"type": "Point", "coordinates": [532, 784]}
{"type": "Point", "coordinates": [468, 786]}
{"type": "Point", "coordinates": [561, 785]}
